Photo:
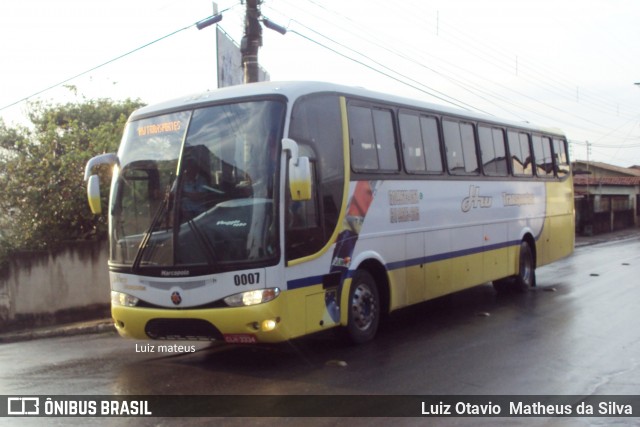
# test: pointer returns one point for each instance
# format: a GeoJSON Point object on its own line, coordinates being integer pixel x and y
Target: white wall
{"type": "Point", "coordinates": [37, 284]}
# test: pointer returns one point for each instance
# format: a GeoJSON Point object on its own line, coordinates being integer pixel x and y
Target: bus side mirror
{"type": "Point", "coordinates": [300, 179]}
{"type": "Point", "coordinates": [93, 194]}
{"type": "Point", "coordinates": [93, 181]}
{"type": "Point", "coordinates": [299, 172]}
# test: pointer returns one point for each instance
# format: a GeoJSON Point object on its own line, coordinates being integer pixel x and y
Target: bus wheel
{"type": "Point", "coordinates": [526, 277]}
{"type": "Point", "coordinates": [364, 308]}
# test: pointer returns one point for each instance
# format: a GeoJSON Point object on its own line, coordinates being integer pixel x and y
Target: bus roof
{"type": "Point", "coordinates": [294, 89]}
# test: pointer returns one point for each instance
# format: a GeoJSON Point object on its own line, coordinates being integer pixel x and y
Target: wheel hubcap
{"type": "Point", "coordinates": [363, 306]}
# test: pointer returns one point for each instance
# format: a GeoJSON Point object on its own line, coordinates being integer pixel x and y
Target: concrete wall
{"type": "Point", "coordinates": [38, 288]}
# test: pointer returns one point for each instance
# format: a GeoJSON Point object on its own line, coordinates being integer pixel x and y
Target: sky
{"type": "Point", "coordinates": [567, 64]}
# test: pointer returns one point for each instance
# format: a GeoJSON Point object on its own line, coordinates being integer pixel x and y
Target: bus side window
{"type": "Point", "coordinates": [420, 143]}
{"type": "Point", "coordinates": [520, 153]}
{"type": "Point", "coordinates": [494, 158]}
{"type": "Point", "coordinates": [561, 159]}
{"type": "Point", "coordinates": [461, 149]}
{"type": "Point", "coordinates": [413, 150]}
{"type": "Point", "coordinates": [385, 140]}
{"type": "Point", "coordinates": [431, 142]}
{"type": "Point", "coordinates": [542, 155]}
{"type": "Point", "coordinates": [363, 141]}
{"type": "Point", "coordinates": [373, 145]}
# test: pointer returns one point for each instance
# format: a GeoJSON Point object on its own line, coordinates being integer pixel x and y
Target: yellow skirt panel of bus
{"type": "Point", "coordinates": [558, 235]}
{"type": "Point", "coordinates": [274, 321]}
{"type": "Point", "coordinates": [423, 282]}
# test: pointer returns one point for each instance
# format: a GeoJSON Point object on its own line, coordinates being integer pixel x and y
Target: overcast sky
{"type": "Point", "coordinates": [563, 63]}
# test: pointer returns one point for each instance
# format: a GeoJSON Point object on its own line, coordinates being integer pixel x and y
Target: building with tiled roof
{"type": "Point", "coordinates": [607, 197]}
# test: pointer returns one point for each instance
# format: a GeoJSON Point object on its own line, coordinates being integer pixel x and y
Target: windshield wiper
{"type": "Point", "coordinates": [157, 216]}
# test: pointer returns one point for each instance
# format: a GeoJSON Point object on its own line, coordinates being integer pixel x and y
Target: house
{"type": "Point", "coordinates": [607, 197]}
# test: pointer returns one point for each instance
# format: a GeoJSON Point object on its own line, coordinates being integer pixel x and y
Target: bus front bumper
{"type": "Point", "coordinates": [261, 323]}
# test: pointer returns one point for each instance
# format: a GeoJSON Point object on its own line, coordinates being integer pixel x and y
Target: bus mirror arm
{"type": "Point", "coordinates": [292, 147]}
{"type": "Point", "coordinates": [102, 159]}
{"type": "Point", "coordinates": [299, 172]}
{"type": "Point", "coordinates": [93, 181]}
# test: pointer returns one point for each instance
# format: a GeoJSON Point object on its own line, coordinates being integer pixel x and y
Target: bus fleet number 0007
{"type": "Point", "coordinates": [246, 279]}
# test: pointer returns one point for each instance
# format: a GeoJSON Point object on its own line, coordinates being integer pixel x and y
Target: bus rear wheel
{"type": "Point", "coordinates": [364, 308]}
{"type": "Point", "coordinates": [526, 277]}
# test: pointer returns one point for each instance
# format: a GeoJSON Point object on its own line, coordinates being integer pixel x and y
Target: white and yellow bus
{"type": "Point", "coordinates": [265, 212]}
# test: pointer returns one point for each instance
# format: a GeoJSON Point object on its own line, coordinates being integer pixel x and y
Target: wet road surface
{"type": "Point", "coordinates": [575, 334]}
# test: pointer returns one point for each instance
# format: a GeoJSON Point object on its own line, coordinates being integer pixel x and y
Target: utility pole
{"type": "Point", "coordinates": [251, 41]}
{"type": "Point", "coordinates": [252, 38]}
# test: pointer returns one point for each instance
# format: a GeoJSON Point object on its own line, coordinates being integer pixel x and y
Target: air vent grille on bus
{"type": "Point", "coordinates": [182, 329]}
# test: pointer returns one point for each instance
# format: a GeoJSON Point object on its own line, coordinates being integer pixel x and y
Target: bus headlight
{"type": "Point", "coordinates": [122, 299]}
{"type": "Point", "coordinates": [257, 296]}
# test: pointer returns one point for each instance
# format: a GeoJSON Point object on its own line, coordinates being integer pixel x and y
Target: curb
{"type": "Point", "coordinates": [627, 234]}
{"type": "Point", "coordinates": [89, 327]}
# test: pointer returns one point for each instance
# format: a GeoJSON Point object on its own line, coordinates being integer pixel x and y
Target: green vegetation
{"type": "Point", "coordinates": [43, 198]}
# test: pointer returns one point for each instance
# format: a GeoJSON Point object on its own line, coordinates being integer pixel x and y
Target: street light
{"type": "Point", "coordinates": [275, 27]}
{"type": "Point", "coordinates": [214, 19]}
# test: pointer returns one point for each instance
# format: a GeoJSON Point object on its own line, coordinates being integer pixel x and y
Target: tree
{"type": "Point", "coordinates": [43, 201]}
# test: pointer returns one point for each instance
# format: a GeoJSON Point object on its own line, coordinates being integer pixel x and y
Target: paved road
{"type": "Point", "coordinates": [577, 333]}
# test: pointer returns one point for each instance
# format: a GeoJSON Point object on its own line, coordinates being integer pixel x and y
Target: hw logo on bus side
{"type": "Point", "coordinates": [475, 200]}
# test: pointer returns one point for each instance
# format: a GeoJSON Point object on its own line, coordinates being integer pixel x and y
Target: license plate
{"type": "Point", "coordinates": [240, 338]}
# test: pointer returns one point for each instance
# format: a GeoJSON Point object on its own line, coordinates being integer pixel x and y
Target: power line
{"type": "Point", "coordinates": [94, 68]}
{"type": "Point", "coordinates": [67, 80]}
{"type": "Point", "coordinates": [378, 70]}
{"type": "Point", "coordinates": [439, 95]}
{"type": "Point", "coordinates": [406, 57]}
{"type": "Point", "coordinates": [491, 55]}
{"type": "Point", "coordinates": [469, 87]}
{"type": "Point", "coordinates": [567, 112]}
{"type": "Point", "coordinates": [482, 94]}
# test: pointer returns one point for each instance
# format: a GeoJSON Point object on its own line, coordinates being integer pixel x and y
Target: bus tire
{"type": "Point", "coordinates": [526, 277]}
{"type": "Point", "coordinates": [364, 308]}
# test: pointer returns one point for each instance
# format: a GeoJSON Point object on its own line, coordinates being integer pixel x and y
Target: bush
{"type": "Point", "coordinates": [43, 201]}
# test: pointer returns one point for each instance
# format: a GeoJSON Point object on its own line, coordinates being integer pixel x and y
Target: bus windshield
{"type": "Point", "coordinates": [197, 188]}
